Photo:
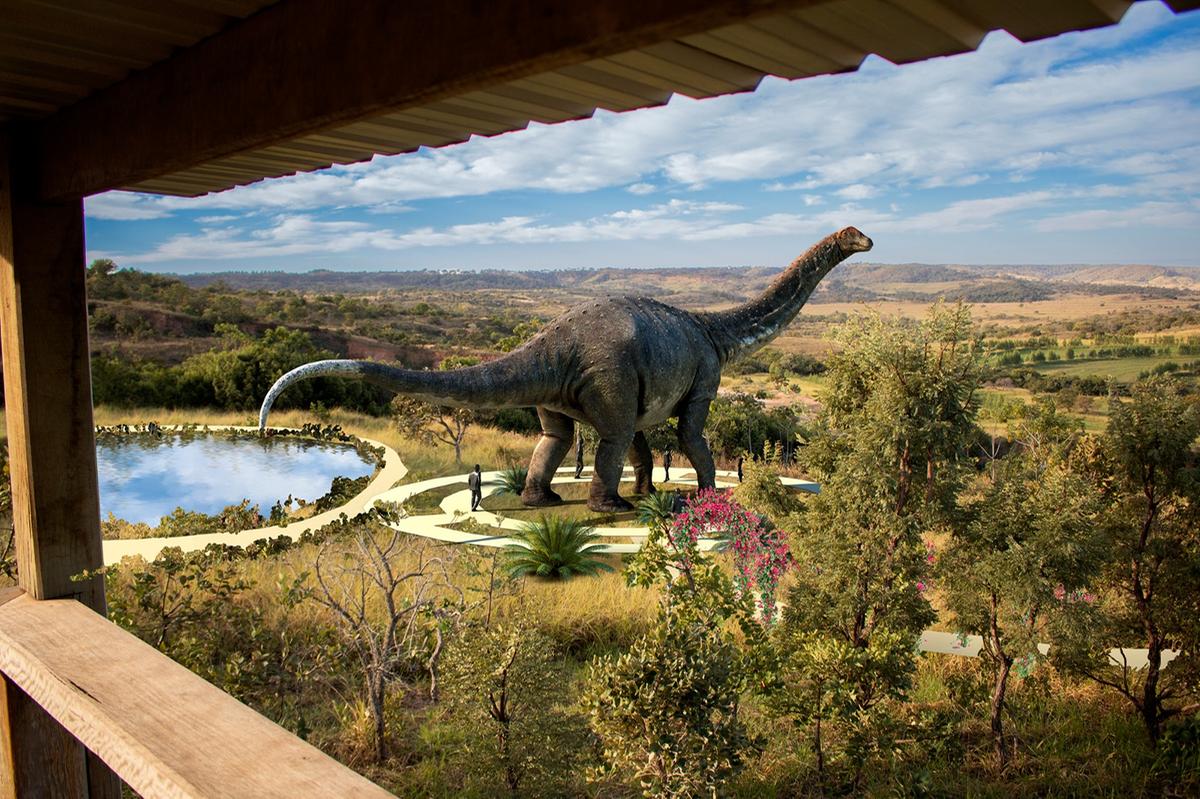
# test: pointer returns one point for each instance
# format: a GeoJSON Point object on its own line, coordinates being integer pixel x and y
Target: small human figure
{"type": "Point", "coordinates": [475, 483]}
{"type": "Point", "coordinates": [676, 503]}
{"type": "Point", "coordinates": [741, 460]}
{"type": "Point", "coordinates": [667, 466]}
{"type": "Point", "coordinates": [579, 456]}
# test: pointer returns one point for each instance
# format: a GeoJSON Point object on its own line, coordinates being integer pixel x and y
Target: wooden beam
{"type": "Point", "coordinates": [52, 461]}
{"type": "Point", "coordinates": [37, 756]}
{"type": "Point", "coordinates": [165, 731]}
{"type": "Point", "coordinates": [302, 66]}
{"type": "Point", "coordinates": [48, 394]}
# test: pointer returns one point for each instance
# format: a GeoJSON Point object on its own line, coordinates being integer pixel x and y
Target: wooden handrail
{"type": "Point", "coordinates": [165, 731]}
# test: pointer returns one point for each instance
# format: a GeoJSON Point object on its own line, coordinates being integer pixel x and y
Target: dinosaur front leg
{"type": "Point", "coordinates": [692, 418]}
{"type": "Point", "coordinates": [557, 432]}
{"type": "Point", "coordinates": [642, 460]}
{"type": "Point", "coordinates": [603, 496]}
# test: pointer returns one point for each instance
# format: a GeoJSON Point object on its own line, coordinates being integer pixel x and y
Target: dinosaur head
{"type": "Point", "coordinates": [851, 240]}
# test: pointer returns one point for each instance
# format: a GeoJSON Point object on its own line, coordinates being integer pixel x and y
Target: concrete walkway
{"type": "Point", "coordinates": [456, 508]}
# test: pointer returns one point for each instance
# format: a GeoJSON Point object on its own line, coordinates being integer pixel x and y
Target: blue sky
{"type": "Point", "coordinates": [1078, 149]}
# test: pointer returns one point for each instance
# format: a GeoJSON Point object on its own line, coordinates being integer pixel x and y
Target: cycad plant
{"type": "Point", "coordinates": [554, 548]}
{"type": "Point", "coordinates": [655, 510]}
{"type": "Point", "coordinates": [512, 480]}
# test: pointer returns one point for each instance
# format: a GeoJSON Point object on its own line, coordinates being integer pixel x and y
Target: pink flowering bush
{"type": "Point", "coordinates": [760, 556]}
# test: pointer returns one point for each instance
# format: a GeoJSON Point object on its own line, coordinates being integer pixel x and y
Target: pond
{"type": "Point", "coordinates": [143, 478]}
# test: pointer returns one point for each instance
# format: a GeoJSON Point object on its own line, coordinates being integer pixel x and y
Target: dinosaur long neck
{"type": "Point", "coordinates": [522, 378]}
{"type": "Point", "coordinates": [746, 327]}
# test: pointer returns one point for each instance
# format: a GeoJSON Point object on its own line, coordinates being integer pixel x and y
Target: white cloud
{"type": "Point", "coordinates": [1149, 214]}
{"type": "Point", "coordinates": [300, 234]}
{"type": "Point", "coordinates": [968, 215]}
{"type": "Point", "coordinates": [798, 185]}
{"type": "Point", "coordinates": [641, 188]}
{"type": "Point", "coordinates": [124, 206]}
{"type": "Point", "coordinates": [857, 191]}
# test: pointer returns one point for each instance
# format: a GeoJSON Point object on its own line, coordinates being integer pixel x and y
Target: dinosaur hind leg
{"type": "Point", "coordinates": [603, 496]}
{"type": "Point", "coordinates": [642, 460]}
{"type": "Point", "coordinates": [691, 440]}
{"type": "Point", "coordinates": [557, 432]}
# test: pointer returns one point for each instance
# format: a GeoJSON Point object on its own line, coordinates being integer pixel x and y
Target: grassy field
{"type": "Point", "coordinates": [1123, 370]}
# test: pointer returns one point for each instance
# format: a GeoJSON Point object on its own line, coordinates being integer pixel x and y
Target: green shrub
{"type": "Point", "coordinates": [656, 509]}
{"type": "Point", "coordinates": [512, 480]}
{"type": "Point", "coordinates": [555, 548]}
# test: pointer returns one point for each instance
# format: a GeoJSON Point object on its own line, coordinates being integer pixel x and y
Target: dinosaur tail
{"type": "Point", "coordinates": [504, 383]}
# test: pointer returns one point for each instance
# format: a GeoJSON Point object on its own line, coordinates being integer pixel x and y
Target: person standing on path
{"type": "Point", "coordinates": [579, 455]}
{"type": "Point", "coordinates": [741, 460]}
{"type": "Point", "coordinates": [677, 504]}
{"type": "Point", "coordinates": [475, 483]}
{"type": "Point", "coordinates": [667, 466]}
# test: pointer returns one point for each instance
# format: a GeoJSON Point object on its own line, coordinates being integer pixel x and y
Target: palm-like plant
{"type": "Point", "coordinates": [555, 548]}
{"type": "Point", "coordinates": [512, 480]}
{"type": "Point", "coordinates": [655, 510]}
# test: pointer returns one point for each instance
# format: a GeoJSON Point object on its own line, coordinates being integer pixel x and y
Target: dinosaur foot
{"type": "Point", "coordinates": [540, 498]}
{"type": "Point", "coordinates": [609, 505]}
{"type": "Point", "coordinates": [644, 488]}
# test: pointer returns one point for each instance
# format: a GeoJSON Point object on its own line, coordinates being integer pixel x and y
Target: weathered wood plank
{"type": "Point", "coordinates": [165, 731]}
{"type": "Point", "coordinates": [302, 66]}
{"type": "Point", "coordinates": [48, 393]}
{"type": "Point", "coordinates": [37, 756]}
{"type": "Point", "coordinates": [52, 459]}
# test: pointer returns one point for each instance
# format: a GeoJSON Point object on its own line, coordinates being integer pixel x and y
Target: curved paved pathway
{"type": "Point", "coordinates": [456, 508]}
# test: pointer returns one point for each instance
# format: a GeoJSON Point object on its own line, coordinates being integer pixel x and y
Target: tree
{"type": "Point", "coordinates": [240, 372]}
{"type": "Point", "coordinates": [506, 683]}
{"type": "Point", "coordinates": [1027, 546]}
{"type": "Point", "coordinates": [390, 595]}
{"type": "Point", "coordinates": [666, 710]}
{"type": "Point", "coordinates": [101, 268]}
{"type": "Point", "coordinates": [663, 437]}
{"type": "Point", "coordinates": [1147, 589]}
{"type": "Point", "coordinates": [822, 680]}
{"type": "Point", "coordinates": [736, 423]}
{"type": "Point", "coordinates": [430, 423]}
{"type": "Point", "coordinates": [890, 450]}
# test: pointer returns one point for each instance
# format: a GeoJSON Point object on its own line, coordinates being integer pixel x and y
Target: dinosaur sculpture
{"type": "Point", "coordinates": [621, 364]}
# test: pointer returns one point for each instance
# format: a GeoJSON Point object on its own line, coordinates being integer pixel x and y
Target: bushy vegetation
{"type": "Point", "coordinates": [236, 375]}
{"type": "Point", "coordinates": [554, 548]}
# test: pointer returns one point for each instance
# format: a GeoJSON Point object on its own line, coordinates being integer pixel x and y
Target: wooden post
{"type": "Point", "coordinates": [52, 459]}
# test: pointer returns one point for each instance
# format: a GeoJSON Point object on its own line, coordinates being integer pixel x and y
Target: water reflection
{"type": "Point", "coordinates": [143, 478]}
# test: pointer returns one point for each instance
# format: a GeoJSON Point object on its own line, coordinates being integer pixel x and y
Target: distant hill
{"type": "Point", "coordinates": [852, 282]}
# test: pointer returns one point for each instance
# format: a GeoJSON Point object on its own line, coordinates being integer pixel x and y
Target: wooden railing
{"type": "Point", "coordinates": [164, 731]}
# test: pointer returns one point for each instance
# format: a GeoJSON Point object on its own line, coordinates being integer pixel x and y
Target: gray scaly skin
{"type": "Point", "coordinates": [620, 364]}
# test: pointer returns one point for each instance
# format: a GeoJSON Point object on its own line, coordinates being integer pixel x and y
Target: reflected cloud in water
{"type": "Point", "coordinates": [143, 479]}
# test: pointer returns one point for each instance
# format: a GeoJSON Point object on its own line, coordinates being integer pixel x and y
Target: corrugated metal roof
{"type": "Point", "coordinates": [50, 56]}
{"type": "Point", "coordinates": [54, 52]}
